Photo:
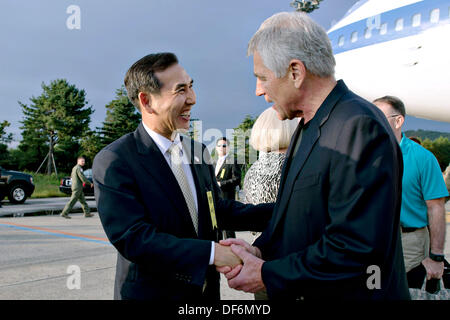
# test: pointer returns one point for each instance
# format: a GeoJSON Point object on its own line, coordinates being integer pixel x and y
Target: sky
{"type": "Point", "coordinates": [209, 37]}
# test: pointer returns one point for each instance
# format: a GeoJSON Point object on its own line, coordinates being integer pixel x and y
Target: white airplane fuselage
{"type": "Point", "coordinates": [404, 51]}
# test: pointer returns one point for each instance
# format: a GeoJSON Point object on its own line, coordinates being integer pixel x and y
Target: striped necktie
{"type": "Point", "coordinates": [177, 169]}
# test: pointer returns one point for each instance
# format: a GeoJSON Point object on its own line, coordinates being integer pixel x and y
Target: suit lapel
{"type": "Point", "coordinates": [156, 165]}
{"type": "Point", "coordinates": [309, 139]}
{"type": "Point", "coordinates": [288, 159]}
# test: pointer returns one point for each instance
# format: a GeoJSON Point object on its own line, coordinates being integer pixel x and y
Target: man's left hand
{"type": "Point", "coordinates": [434, 269]}
{"type": "Point", "coordinates": [248, 277]}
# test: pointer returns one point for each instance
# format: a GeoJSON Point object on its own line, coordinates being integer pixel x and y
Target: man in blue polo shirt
{"type": "Point", "coordinates": [422, 216]}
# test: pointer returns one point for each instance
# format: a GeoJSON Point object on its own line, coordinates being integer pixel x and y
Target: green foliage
{"type": "Point", "coordinates": [441, 150]}
{"type": "Point", "coordinates": [241, 137]}
{"type": "Point", "coordinates": [17, 160]}
{"type": "Point", "coordinates": [426, 134]}
{"type": "Point", "coordinates": [4, 140]}
{"type": "Point", "coordinates": [121, 118]}
{"type": "Point", "coordinates": [58, 116]}
{"type": "Point", "coordinates": [305, 5]}
{"type": "Point", "coordinates": [91, 144]}
{"type": "Point", "coordinates": [47, 185]}
{"type": "Point", "coordinates": [4, 155]}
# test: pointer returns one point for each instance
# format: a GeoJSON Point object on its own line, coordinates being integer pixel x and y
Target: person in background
{"type": "Point", "coordinates": [446, 175]}
{"type": "Point", "coordinates": [271, 137]}
{"type": "Point", "coordinates": [338, 208]}
{"type": "Point", "coordinates": [228, 174]}
{"type": "Point", "coordinates": [422, 215]}
{"type": "Point", "coordinates": [78, 178]}
{"type": "Point", "coordinates": [415, 139]}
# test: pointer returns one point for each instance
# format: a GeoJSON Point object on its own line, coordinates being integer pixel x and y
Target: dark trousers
{"type": "Point", "coordinates": [230, 195]}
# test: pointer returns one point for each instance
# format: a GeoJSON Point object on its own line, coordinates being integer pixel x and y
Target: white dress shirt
{"type": "Point", "coordinates": [164, 144]}
{"type": "Point", "coordinates": [220, 162]}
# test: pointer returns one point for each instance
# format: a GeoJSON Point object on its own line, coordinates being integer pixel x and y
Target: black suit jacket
{"type": "Point", "coordinates": [229, 176]}
{"type": "Point", "coordinates": [145, 216]}
{"type": "Point", "coordinates": [338, 208]}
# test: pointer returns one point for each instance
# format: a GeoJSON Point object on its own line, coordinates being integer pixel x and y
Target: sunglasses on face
{"type": "Point", "coordinates": [222, 145]}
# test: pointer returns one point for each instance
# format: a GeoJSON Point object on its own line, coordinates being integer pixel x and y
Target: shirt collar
{"type": "Point", "coordinates": [162, 142]}
{"type": "Point", "coordinates": [403, 141]}
{"type": "Point", "coordinates": [223, 157]}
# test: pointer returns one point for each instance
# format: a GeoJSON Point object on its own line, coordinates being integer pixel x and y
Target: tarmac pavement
{"type": "Point", "coordinates": [43, 257]}
{"type": "Point", "coordinates": [37, 252]}
{"type": "Point", "coordinates": [43, 206]}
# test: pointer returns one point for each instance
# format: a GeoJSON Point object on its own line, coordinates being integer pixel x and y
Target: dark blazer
{"type": "Point", "coordinates": [229, 176]}
{"type": "Point", "coordinates": [145, 216]}
{"type": "Point", "coordinates": [338, 208]}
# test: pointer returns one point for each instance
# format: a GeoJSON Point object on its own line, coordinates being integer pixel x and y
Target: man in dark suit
{"type": "Point", "coordinates": [157, 196]}
{"type": "Point", "coordinates": [228, 174]}
{"type": "Point", "coordinates": [227, 170]}
{"type": "Point", "coordinates": [334, 233]}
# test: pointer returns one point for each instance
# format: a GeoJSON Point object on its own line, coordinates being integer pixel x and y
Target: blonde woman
{"type": "Point", "coordinates": [271, 137]}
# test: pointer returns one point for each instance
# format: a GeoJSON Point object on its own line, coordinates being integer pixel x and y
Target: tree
{"type": "Point", "coordinates": [305, 5]}
{"type": "Point", "coordinates": [53, 125]}
{"type": "Point", "coordinates": [4, 140]}
{"type": "Point", "coordinates": [441, 150]}
{"type": "Point", "coordinates": [121, 118]}
{"type": "Point", "coordinates": [246, 155]}
{"type": "Point", "coordinates": [90, 144]}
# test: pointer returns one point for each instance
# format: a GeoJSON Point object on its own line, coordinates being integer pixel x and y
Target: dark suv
{"type": "Point", "coordinates": [18, 186]}
{"type": "Point", "coordinates": [66, 184]}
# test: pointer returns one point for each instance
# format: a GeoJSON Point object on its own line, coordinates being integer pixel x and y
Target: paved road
{"type": "Point", "coordinates": [36, 252]}
{"type": "Point", "coordinates": [45, 205]}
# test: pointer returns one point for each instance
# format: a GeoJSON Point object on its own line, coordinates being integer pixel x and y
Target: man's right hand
{"type": "Point", "coordinates": [251, 249]}
{"type": "Point", "coordinates": [435, 270]}
{"type": "Point", "coordinates": [223, 256]}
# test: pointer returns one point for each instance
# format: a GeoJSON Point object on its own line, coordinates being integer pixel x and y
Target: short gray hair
{"type": "Point", "coordinates": [293, 35]}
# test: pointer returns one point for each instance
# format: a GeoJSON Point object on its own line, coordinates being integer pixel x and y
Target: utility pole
{"type": "Point", "coordinates": [50, 157]}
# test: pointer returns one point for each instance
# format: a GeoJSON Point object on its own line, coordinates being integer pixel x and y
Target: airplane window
{"type": "Point", "coordinates": [341, 41]}
{"type": "Point", "coordinates": [434, 16]}
{"type": "Point", "coordinates": [367, 33]}
{"type": "Point", "coordinates": [399, 25]}
{"type": "Point", "coordinates": [383, 28]}
{"type": "Point", "coordinates": [354, 36]}
{"type": "Point", "coordinates": [416, 20]}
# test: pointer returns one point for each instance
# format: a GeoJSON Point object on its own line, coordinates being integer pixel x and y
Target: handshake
{"type": "Point", "coordinates": [241, 264]}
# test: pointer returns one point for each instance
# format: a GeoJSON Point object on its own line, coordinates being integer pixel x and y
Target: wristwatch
{"type": "Point", "coordinates": [437, 257]}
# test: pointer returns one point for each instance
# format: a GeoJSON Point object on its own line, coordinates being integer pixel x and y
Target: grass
{"type": "Point", "coordinates": [47, 185]}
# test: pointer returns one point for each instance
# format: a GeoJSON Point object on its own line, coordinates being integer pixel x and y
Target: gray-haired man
{"type": "Point", "coordinates": [334, 233]}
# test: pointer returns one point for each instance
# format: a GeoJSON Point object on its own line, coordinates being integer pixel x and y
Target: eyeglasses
{"type": "Point", "coordinates": [222, 145]}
